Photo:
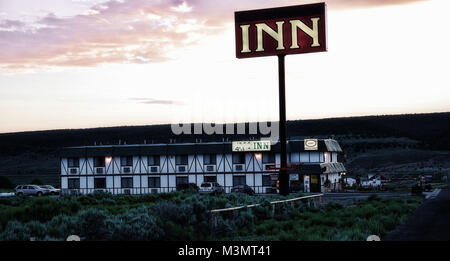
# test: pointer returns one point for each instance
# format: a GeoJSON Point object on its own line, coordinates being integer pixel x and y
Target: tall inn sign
{"type": "Point", "coordinates": [281, 31]}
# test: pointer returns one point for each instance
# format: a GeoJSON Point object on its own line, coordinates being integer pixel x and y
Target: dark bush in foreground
{"type": "Point", "coordinates": [92, 224]}
{"type": "Point", "coordinates": [62, 226]}
{"type": "Point", "coordinates": [184, 216]}
{"type": "Point", "coordinates": [137, 224]}
{"type": "Point", "coordinates": [15, 231]}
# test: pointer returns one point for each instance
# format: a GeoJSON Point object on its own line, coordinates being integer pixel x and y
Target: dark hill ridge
{"type": "Point", "coordinates": [432, 130]}
{"type": "Point", "coordinates": [388, 144]}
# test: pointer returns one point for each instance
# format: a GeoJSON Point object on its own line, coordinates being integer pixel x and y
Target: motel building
{"type": "Point", "coordinates": [154, 168]}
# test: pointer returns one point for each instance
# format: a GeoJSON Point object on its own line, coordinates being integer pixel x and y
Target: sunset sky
{"type": "Point", "coordinates": [93, 63]}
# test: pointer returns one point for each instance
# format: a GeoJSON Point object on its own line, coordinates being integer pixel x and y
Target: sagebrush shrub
{"type": "Point", "coordinates": [62, 226]}
{"type": "Point", "coordinates": [92, 224]}
{"type": "Point", "coordinates": [15, 231]}
{"type": "Point", "coordinates": [137, 224]}
{"type": "Point", "coordinates": [36, 229]}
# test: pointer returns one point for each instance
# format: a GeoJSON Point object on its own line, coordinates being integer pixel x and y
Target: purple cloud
{"type": "Point", "coordinates": [137, 31]}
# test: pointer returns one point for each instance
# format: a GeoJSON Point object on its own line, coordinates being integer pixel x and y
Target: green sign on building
{"type": "Point", "coordinates": [261, 145]}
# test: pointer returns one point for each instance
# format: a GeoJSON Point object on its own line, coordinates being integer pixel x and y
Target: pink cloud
{"type": "Point", "coordinates": [127, 31]}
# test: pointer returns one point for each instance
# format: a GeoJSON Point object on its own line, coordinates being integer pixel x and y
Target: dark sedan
{"type": "Point", "coordinates": [187, 187]}
{"type": "Point", "coordinates": [242, 189]}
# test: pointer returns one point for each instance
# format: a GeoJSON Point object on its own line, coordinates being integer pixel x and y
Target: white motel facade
{"type": "Point", "coordinates": [156, 168]}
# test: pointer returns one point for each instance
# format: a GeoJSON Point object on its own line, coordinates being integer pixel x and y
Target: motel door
{"type": "Point", "coordinates": [315, 183]}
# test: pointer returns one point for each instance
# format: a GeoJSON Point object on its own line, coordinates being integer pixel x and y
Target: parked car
{"type": "Point", "coordinates": [35, 190]}
{"type": "Point", "coordinates": [242, 189]}
{"type": "Point", "coordinates": [211, 188]}
{"type": "Point", "coordinates": [53, 190]}
{"type": "Point", "coordinates": [189, 186]}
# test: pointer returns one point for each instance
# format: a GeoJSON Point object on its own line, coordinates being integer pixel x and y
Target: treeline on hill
{"type": "Point", "coordinates": [431, 130]}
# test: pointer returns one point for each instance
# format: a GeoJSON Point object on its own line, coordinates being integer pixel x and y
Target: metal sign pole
{"type": "Point", "coordinates": [255, 27]}
{"type": "Point", "coordinates": [283, 176]}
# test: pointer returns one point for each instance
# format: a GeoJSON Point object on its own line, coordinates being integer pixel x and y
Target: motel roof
{"type": "Point", "coordinates": [324, 145]}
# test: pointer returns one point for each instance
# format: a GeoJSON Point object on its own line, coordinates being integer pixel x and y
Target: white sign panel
{"type": "Point", "coordinates": [311, 144]}
{"type": "Point", "coordinates": [262, 145]}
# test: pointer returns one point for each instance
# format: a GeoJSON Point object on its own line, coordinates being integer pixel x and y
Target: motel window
{"type": "Point", "coordinates": [99, 162]}
{"type": "Point", "coordinates": [100, 183]}
{"type": "Point", "coordinates": [181, 160]}
{"type": "Point", "coordinates": [239, 180]}
{"type": "Point", "coordinates": [314, 157]}
{"type": "Point", "coordinates": [266, 181]}
{"type": "Point", "coordinates": [153, 160]}
{"type": "Point", "coordinates": [126, 161]}
{"type": "Point", "coordinates": [238, 158]}
{"type": "Point", "coordinates": [127, 182]}
{"type": "Point", "coordinates": [210, 179]}
{"type": "Point", "coordinates": [73, 183]}
{"type": "Point", "coordinates": [73, 162]}
{"type": "Point", "coordinates": [209, 159]}
{"type": "Point", "coordinates": [154, 182]}
{"type": "Point", "coordinates": [268, 157]}
{"type": "Point", "coordinates": [182, 180]}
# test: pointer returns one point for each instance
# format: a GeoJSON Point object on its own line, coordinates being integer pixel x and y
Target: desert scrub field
{"type": "Point", "coordinates": [374, 216]}
{"type": "Point", "coordinates": [185, 216]}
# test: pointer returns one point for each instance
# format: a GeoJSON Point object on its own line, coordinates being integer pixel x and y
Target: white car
{"type": "Point", "coordinates": [53, 191]}
{"type": "Point", "coordinates": [26, 190]}
{"type": "Point", "coordinates": [211, 188]}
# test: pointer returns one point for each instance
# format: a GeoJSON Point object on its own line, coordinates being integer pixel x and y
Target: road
{"type": "Point", "coordinates": [365, 195]}
{"type": "Point", "coordinates": [430, 222]}
{"type": "Point", "coordinates": [350, 198]}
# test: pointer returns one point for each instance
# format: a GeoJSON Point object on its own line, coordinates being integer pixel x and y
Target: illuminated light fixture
{"type": "Point", "coordinates": [108, 159]}
{"type": "Point", "coordinates": [258, 156]}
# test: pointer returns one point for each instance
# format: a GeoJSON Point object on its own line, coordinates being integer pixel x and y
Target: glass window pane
{"type": "Point", "coordinates": [73, 162]}
{"type": "Point", "coordinates": [239, 180]}
{"type": "Point", "coordinates": [238, 158]}
{"type": "Point", "coordinates": [153, 160]}
{"type": "Point", "coordinates": [73, 183]}
{"type": "Point", "coordinates": [209, 159]}
{"type": "Point", "coordinates": [99, 162]}
{"type": "Point", "coordinates": [181, 160]}
{"type": "Point", "coordinates": [266, 180]}
{"type": "Point", "coordinates": [154, 182]}
{"type": "Point", "coordinates": [100, 183]}
{"type": "Point", "coordinates": [269, 157]}
{"type": "Point", "coordinates": [210, 179]}
{"type": "Point", "coordinates": [126, 161]}
{"type": "Point", "coordinates": [182, 180]}
{"type": "Point", "coordinates": [127, 182]}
